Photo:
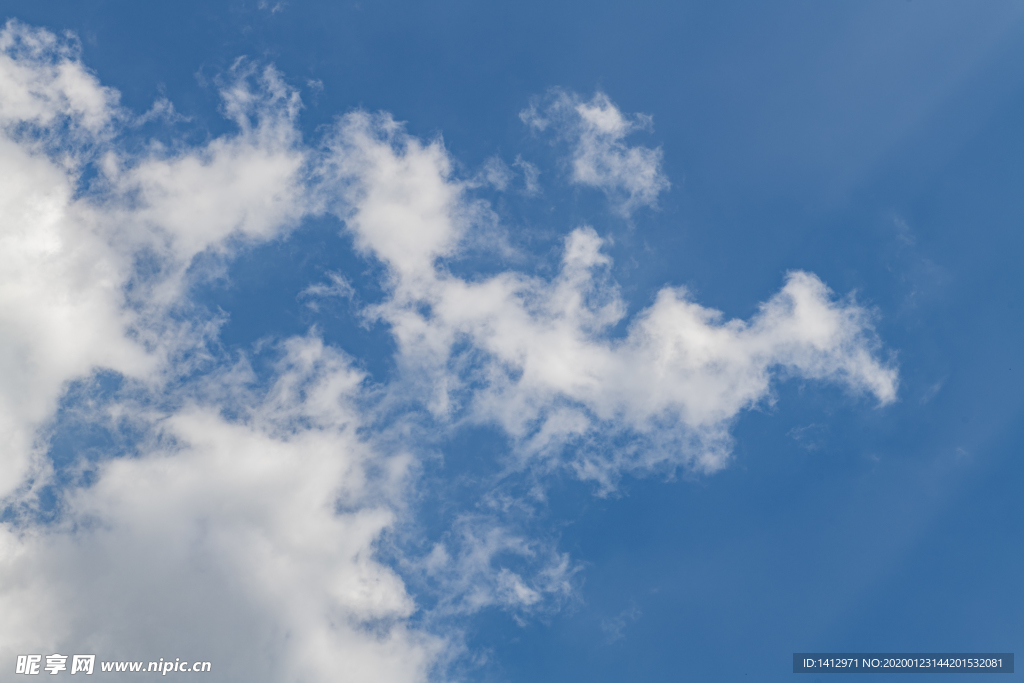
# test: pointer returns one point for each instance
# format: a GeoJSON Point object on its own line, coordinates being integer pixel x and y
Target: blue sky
{"type": "Point", "coordinates": [381, 336]}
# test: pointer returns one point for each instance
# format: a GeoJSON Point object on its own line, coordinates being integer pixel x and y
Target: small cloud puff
{"type": "Point", "coordinates": [630, 176]}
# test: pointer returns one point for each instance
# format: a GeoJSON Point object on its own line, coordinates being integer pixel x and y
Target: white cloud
{"type": "Point", "coordinates": [59, 280]}
{"type": "Point", "coordinates": [473, 566]}
{"type": "Point", "coordinates": [630, 176]}
{"type": "Point", "coordinates": [536, 357]}
{"type": "Point", "coordinates": [274, 9]}
{"type": "Point", "coordinates": [68, 258]}
{"type": "Point", "coordinates": [247, 541]}
{"type": "Point", "coordinates": [224, 540]}
{"type": "Point", "coordinates": [407, 201]}
{"type": "Point", "coordinates": [248, 185]}
{"type": "Point", "coordinates": [43, 83]}
{"type": "Point", "coordinates": [614, 628]}
{"type": "Point", "coordinates": [496, 173]}
{"type": "Point", "coordinates": [339, 287]}
{"type": "Point", "coordinates": [531, 176]}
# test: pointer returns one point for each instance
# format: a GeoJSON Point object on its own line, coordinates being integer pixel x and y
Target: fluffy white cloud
{"type": "Point", "coordinates": [71, 296]}
{"type": "Point", "coordinates": [248, 543]}
{"type": "Point", "coordinates": [249, 185]}
{"type": "Point", "coordinates": [630, 176]}
{"type": "Point", "coordinates": [44, 83]}
{"type": "Point", "coordinates": [245, 527]}
{"type": "Point", "coordinates": [60, 282]}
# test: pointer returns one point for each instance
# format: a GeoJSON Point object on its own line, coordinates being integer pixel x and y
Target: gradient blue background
{"type": "Point", "coordinates": [877, 144]}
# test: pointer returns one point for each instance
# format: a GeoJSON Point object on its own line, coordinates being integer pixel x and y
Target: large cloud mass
{"type": "Point", "coordinates": [242, 522]}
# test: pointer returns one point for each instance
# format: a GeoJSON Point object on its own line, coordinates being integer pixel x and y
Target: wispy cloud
{"type": "Point", "coordinates": [630, 176]}
{"type": "Point", "coordinates": [339, 286]}
{"type": "Point", "coordinates": [536, 356]}
{"type": "Point", "coordinates": [615, 627]}
{"type": "Point", "coordinates": [473, 567]}
{"type": "Point", "coordinates": [531, 176]}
